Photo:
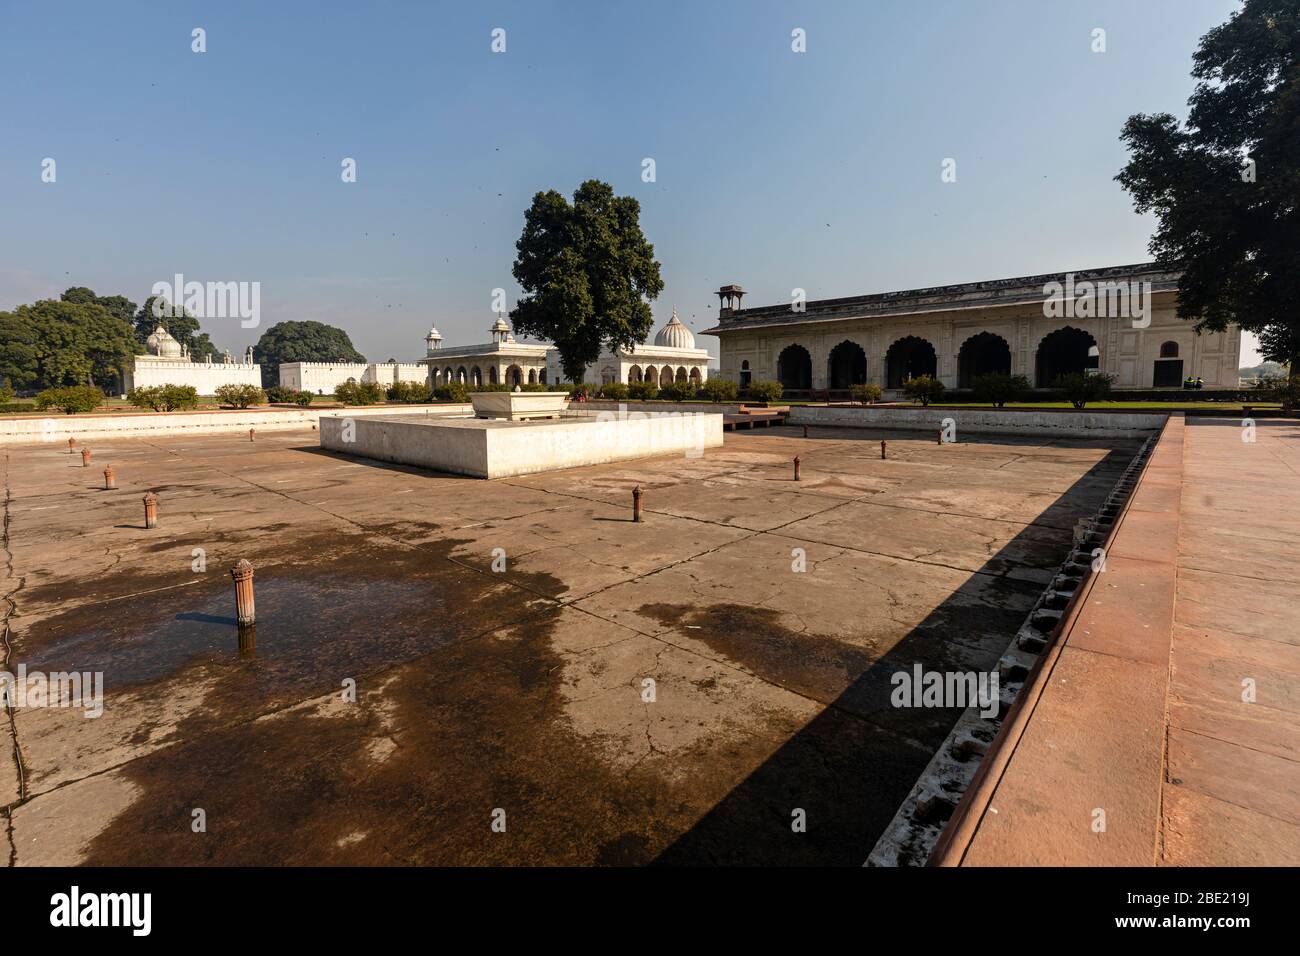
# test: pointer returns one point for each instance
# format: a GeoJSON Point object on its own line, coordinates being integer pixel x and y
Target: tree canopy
{"type": "Point", "coordinates": [119, 305]}
{"type": "Point", "coordinates": [586, 270]}
{"type": "Point", "coordinates": [1225, 187]}
{"type": "Point", "coordinates": [68, 341]}
{"type": "Point", "coordinates": [301, 342]}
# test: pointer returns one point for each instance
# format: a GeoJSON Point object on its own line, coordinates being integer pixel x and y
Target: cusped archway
{"type": "Point", "coordinates": [1063, 352]}
{"type": "Point", "coordinates": [909, 357]}
{"type": "Point", "coordinates": [847, 365]}
{"type": "Point", "coordinates": [982, 354]}
{"type": "Point", "coordinates": [794, 367]}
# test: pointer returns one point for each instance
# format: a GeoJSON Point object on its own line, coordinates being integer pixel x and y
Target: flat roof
{"type": "Point", "coordinates": [990, 293]}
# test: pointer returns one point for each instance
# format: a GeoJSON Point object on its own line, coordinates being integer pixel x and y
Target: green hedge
{"type": "Point", "coordinates": [164, 398]}
{"type": "Point", "coordinates": [70, 400]}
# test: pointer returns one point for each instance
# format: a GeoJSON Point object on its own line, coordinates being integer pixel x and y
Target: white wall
{"type": "Point", "coordinates": [60, 428]}
{"type": "Point", "coordinates": [201, 375]}
{"type": "Point", "coordinates": [322, 378]}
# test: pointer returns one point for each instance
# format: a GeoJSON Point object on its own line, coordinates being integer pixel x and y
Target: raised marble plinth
{"type": "Point", "coordinates": [518, 406]}
{"type": "Point", "coordinates": [496, 448]}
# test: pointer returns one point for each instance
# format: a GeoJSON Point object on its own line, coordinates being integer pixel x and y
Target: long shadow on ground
{"type": "Point", "coordinates": [851, 767]}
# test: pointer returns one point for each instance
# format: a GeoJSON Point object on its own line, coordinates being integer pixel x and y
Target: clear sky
{"type": "Point", "coordinates": [774, 169]}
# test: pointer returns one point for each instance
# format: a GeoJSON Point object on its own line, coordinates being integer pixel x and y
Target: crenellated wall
{"type": "Point", "coordinates": [322, 378]}
{"type": "Point", "coordinates": [203, 376]}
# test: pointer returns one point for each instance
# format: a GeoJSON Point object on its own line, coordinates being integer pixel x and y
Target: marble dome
{"type": "Point", "coordinates": [674, 335]}
{"type": "Point", "coordinates": [162, 344]}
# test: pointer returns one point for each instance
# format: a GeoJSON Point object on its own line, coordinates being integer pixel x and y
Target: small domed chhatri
{"type": "Point", "coordinates": [674, 335]}
{"type": "Point", "coordinates": [432, 341]}
{"type": "Point", "coordinates": [162, 344]}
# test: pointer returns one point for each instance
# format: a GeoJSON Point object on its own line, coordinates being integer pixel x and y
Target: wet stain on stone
{"type": "Point", "coordinates": [459, 712]}
{"type": "Point", "coordinates": [477, 727]}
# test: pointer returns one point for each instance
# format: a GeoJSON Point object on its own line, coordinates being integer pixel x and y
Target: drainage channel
{"type": "Point", "coordinates": [917, 826]}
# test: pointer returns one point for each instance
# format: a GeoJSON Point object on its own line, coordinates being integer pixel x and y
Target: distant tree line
{"type": "Point", "coordinates": [84, 339]}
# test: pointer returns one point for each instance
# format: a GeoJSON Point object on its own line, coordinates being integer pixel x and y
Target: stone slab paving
{"type": "Point", "coordinates": [1174, 706]}
{"type": "Point", "coordinates": [521, 688]}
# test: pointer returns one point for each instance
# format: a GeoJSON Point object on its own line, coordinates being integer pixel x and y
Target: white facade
{"type": "Point", "coordinates": [501, 361]}
{"type": "Point", "coordinates": [955, 333]}
{"type": "Point", "coordinates": [322, 378]}
{"type": "Point", "coordinates": [672, 358]}
{"type": "Point", "coordinates": [169, 363]}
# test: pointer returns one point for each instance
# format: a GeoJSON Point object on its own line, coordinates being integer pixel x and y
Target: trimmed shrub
{"type": "Point", "coordinates": [998, 388]}
{"type": "Point", "coordinates": [409, 392]}
{"type": "Point", "coordinates": [164, 398]}
{"type": "Point", "coordinates": [353, 392]}
{"type": "Point", "coordinates": [642, 391]}
{"type": "Point", "coordinates": [1080, 388]}
{"type": "Point", "coordinates": [614, 391]}
{"type": "Point", "coordinates": [585, 390]}
{"type": "Point", "coordinates": [451, 392]}
{"type": "Point", "coordinates": [279, 394]}
{"type": "Point", "coordinates": [303, 398]}
{"type": "Point", "coordinates": [239, 396]}
{"type": "Point", "coordinates": [720, 390]}
{"type": "Point", "coordinates": [70, 400]}
{"type": "Point", "coordinates": [7, 393]}
{"type": "Point", "coordinates": [536, 387]}
{"type": "Point", "coordinates": [678, 391]}
{"type": "Point", "coordinates": [1284, 390]}
{"type": "Point", "coordinates": [867, 394]}
{"type": "Point", "coordinates": [924, 389]}
{"type": "Point", "coordinates": [765, 391]}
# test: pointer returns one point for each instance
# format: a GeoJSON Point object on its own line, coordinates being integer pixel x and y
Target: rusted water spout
{"type": "Point", "coordinates": [242, 574]}
{"type": "Point", "coordinates": [150, 510]}
{"type": "Point", "coordinates": [636, 503]}
{"type": "Point", "coordinates": [110, 480]}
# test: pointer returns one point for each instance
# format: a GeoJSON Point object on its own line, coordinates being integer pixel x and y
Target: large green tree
{"type": "Point", "coordinates": [119, 305]}
{"type": "Point", "coordinates": [182, 326]}
{"type": "Point", "coordinates": [1225, 188]}
{"type": "Point", "coordinates": [587, 272]}
{"type": "Point", "coordinates": [56, 342]}
{"type": "Point", "coordinates": [301, 342]}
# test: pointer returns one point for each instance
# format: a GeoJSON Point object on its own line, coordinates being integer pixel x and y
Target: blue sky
{"type": "Point", "coordinates": [774, 169]}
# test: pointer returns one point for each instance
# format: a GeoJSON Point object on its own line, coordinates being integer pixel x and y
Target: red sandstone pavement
{"type": "Point", "coordinates": [1172, 712]}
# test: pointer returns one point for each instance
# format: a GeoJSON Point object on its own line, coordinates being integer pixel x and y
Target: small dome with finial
{"type": "Point", "coordinates": [162, 344]}
{"type": "Point", "coordinates": [674, 335]}
{"type": "Point", "coordinates": [501, 330]}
